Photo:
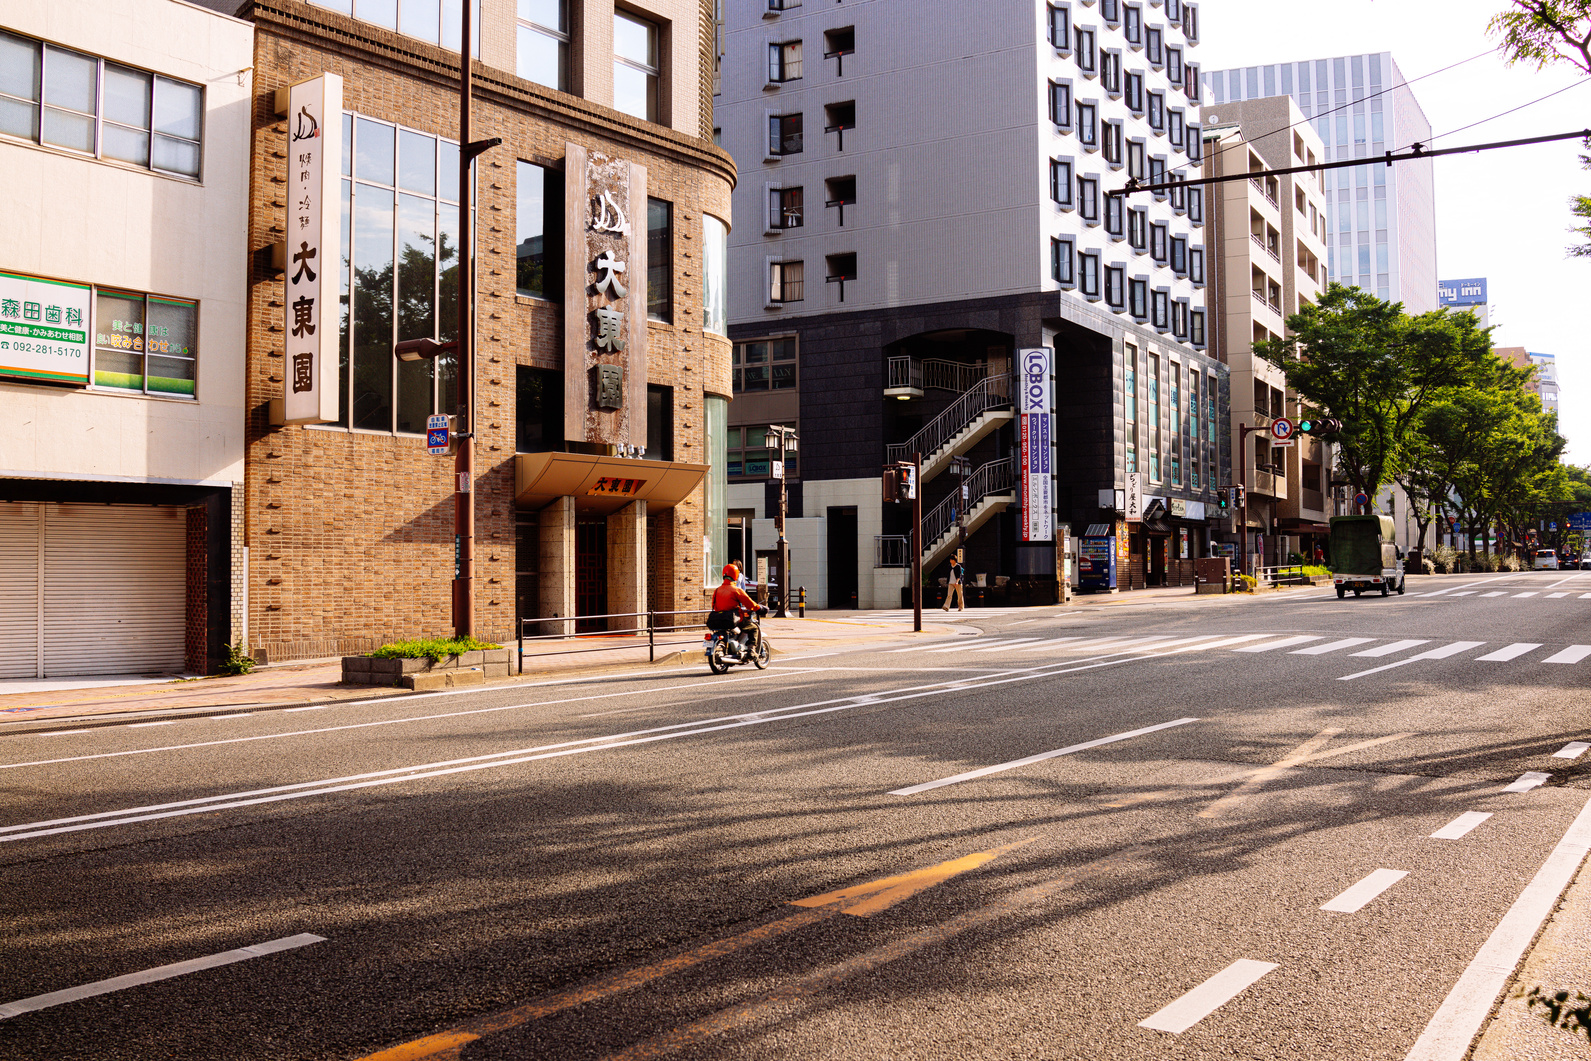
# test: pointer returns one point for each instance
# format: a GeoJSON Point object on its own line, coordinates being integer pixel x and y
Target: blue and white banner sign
{"type": "Point", "coordinates": [1471, 292]}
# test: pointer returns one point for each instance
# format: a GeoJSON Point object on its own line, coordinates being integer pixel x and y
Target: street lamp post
{"type": "Point", "coordinates": [784, 440]}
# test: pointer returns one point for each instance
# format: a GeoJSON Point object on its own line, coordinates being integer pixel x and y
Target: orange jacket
{"type": "Point", "coordinates": [729, 596]}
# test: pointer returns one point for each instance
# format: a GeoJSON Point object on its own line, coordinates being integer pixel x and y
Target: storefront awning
{"type": "Point", "coordinates": [602, 484]}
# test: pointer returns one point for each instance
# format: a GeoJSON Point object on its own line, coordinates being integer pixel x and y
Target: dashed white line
{"type": "Point", "coordinates": [1441, 652]}
{"type": "Point", "coordinates": [1496, 593]}
{"type": "Point", "coordinates": [1513, 651]}
{"type": "Point", "coordinates": [1358, 896]}
{"type": "Point", "coordinates": [1396, 646]}
{"type": "Point", "coordinates": [1332, 646]}
{"type": "Point", "coordinates": [1286, 642]}
{"type": "Point", "coordinates": [1532, 593]}
{"type": "Point", "coordinates": [1572, 654]}
{"type": "Point", "coordinates": [1553, 596]}
{"type": "Point", "coordinates": [1528, 780]}
{"type": "Point", "coordinates": [1463, 593]}
{"type": "Point", "coordinates": [222, 718]}
{"type": "Point", "coordinates": [1461, 825]}
{"type": "Point", "coordinates": [162, 972]}
{"type": "Point", "coordinates": [145, 725]}
{"type": "Point", "coordinates": [312, 707]}
{"type": "Point", "coordinates": [1572, 750]}
{"type": "Point", "coordinates": [1208, 997]}
{"type": "Point", "coordinates": [62, 732]}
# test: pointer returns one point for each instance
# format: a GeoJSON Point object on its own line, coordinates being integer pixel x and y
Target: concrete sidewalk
{"type": "Point", "coordinates": [319, 681]}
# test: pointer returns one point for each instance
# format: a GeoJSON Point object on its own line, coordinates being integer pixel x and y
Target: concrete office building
{"type": "Point", "coordinates": [1381, 219]}
{"type": "Point", "coordinates": [602, 367]}
{"type": "Point", "coordinates": [124, 139]}
{"type": "Point", "coordinates": [891, 258]}
{"type": "Point", "coordinates": [1266, 239]}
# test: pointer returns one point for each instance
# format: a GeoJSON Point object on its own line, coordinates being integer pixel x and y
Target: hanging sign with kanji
{"type": "Point", "coordinates": [314, 147]}
{"type": "Point", "coordinates": [43, 329]}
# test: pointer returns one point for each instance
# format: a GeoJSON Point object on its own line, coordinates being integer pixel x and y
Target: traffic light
{"type": "Point", "coordinates": [1221, 500]}
{"type": "Point", "coordinates": [1237, 496]}
{"type": "Point", "coordinates": [1320, 425]}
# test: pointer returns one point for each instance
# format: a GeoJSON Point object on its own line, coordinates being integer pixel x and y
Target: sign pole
{"type": "Point", "coordinates": [917, 543]}
{"type": "Point", "coordinates": [464, 459]}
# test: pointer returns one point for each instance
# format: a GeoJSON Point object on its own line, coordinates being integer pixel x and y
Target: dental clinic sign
{"type": "Point", "coordinates": [44, 329]}
{"type": "Point", "coordinates": [314, 254]}
{"type": "Point", "coordinates": [1036, 481]}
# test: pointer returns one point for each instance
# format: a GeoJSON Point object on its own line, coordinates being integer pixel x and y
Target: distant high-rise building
{"type": "Point", "coordinates": [1382, 218]}
{"type": "Point", "coordinates": [1466, 295]}
{"type": "Point", "coordinates": [1546, 379]}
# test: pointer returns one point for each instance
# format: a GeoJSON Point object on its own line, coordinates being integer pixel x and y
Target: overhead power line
{"type": "Point", "coordinates": [1418, 151]}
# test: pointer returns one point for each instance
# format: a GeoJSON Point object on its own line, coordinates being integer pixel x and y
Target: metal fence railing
{"type": "Point", "coordinates": [892, 550]}
{"type": "Point", "coordinates": [643, 629]}
{"type": "Point", "coordinates": [991, 392]}
{"type": "Point", "coordinates": [989, 478]}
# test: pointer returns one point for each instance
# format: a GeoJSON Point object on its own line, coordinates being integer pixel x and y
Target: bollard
{"type": "Point", "coordinates": [801, 603]}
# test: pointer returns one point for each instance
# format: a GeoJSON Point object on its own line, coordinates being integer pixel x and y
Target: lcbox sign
{"type": "Point", "coordinates": [1033, 417]}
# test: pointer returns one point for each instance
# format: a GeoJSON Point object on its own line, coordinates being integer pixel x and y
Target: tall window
{"type": "Point", "coordinates": [1157, 110]}
{"type": "Point", "coordinates": [1084, 56]}
{"type": "Point", "coordinates": [1157, 176]}
{"type": "Point", "coordinates": [1115, 286]}
{"type": "Point", "coordinates": [1175, 129]}
{"type": "Point", "coordinates": [1115, 212]}
{"type": "Point", "coordinates": [715, 275]}
{"type": "Point", "coordinates": [786, 207]}
{"type": "Point", "coordinates": [1135, 93]}
{"type": "Point", "coordinates": [436, 21]}
{"type": "Point", "coordinates": [784, 134]}
{"type": "Point", "coordinates": [400, 235]}
{"type": "Point", "coordinates": [1110, 71]}
{"type": "Point", "coordinates": [1176, 424]}
{"type": "Point", "coordinates": [67, 99]}
{"type": "Point", "coordinates": [1130, 395]}
{"type": "Point", "coordinates": [786, 281]}
{"type": "Point", "coordinates": [1111, 140]}
{"type": "Point", "coordinates": [1152, 41]}
{"type": "Point", "coordinates": [538, 410]}
{"type": "Point", "coordinates": [1110, 10]}
{"type": "Point", "coordinates": [1061, 262]}
{"type": "Point", "coordinates": [1160, 316]}
{"type": "Point", "coordinates": [1196, 328]}
{"type": "Point", "coordinates": [1196, 265]}
{"type": "Point", "coordinates": [1138, 229]}
{"type": "Point", "coordinates": [1088, 198]}
{"type": "Point", "coordinates": [1179, 254]}
{"type": "Point", "coordinates": [1060, 27]}
{"type": "Point", "coordinates": [765, 365]}
{"type": "Point", "coordinates": [1061, 103]}
{"type": "Point", "coordinates": [1088, 275]}
{"type": "Point", "coordinates": [1135, 158]}
{"type": "Point", "coordinates": [1138, 298]}
{"type": "Point", "coordinates": [538, 232]}
{"type": "Point", "coordinates": [1195, 200]}
{"type": "Point", "coordinates": [543, 40]}
{"type": "Point", "coordinates": [1174, 68]}
{"type": "Point", "coordinates": [1132, 26]}
{"type": "Point", "coordinates": [1157, 242]}
{"type": "Point", "coordinates": [659, 259]}
{"type": "Point", "coordinates": [1153, 414]}
{"type": "Point", "coordinates": [1088, 124]}
{"type": "Point", "coordinates": [1061, 181]}
{"type": "Point", "coordinates": [784, 61]}
{"type": "Point", "coordinates": [635, 67]}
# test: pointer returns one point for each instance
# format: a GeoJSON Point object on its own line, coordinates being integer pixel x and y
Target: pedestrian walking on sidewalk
{"type": "Point", "coordinates": [953, 590]}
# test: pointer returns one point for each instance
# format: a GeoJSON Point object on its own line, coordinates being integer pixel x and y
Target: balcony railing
{"type": "Point", "coordinates": [1274, 307]}
{"type": "Point", "coordinates": [904, 372]}
{"type": "Point", "coordinates": [1267, 248]}
{"type": "Point", "coordinates": [1260, 187]}
{"type": "Point", "coordinates": [991, 392]}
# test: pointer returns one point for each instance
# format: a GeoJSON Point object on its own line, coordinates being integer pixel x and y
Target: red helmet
{"type": "Point", "coordinates": [730, 571]}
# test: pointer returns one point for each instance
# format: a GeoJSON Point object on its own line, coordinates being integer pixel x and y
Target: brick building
{"type": "Point", "coordinates": [594, 445]}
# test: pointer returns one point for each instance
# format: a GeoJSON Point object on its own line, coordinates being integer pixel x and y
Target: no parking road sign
{"type": "Point", "coordinates": [436, 434]}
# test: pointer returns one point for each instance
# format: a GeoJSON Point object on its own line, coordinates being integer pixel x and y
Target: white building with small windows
{"type": "Point", "coordinates": [916, 208]}
{"type": "Point", "coordinates": [124, 138]}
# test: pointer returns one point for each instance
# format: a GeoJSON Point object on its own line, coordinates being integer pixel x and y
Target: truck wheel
{"type": "Point", "coordinates": [1341, 593]}
{"type": "Point", "coordinates": [1358, 593]}
{"type": "Point", "coordinates": [1383, 589]}
{"type": "Point", "coordinates": [1403, 584]}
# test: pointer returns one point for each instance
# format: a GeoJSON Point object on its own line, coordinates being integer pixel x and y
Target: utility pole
{"type": "Point", "coordinates": [787, 442]}
{"type": "Point", "coordinates": [917, 543]}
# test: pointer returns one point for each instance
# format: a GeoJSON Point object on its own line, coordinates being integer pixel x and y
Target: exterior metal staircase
{"type": "Point", "coordinates": [990, 489]}
{"type": "Point", "coordinates": [961, 426]}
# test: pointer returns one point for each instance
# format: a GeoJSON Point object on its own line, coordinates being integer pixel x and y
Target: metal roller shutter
{"type": "Point", "coordinates": [19, 590]}
{"type": "Point", "coordinates": [115, 583]}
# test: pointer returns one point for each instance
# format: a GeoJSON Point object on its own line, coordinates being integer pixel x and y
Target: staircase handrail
{"type": "Point", "coordinates": [995, 476]}
{"type": "Point", "coordinates": [990, 392]}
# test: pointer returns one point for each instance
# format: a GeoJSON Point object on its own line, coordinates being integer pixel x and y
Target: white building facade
{"type": "Point", "coordinates": [124, 136]}
{"type": "Point", "coordinates": [889, 259]}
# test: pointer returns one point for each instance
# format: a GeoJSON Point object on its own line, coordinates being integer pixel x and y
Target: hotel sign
{"type": "Point", "coordinates": [314, 254]}
{"type": "Point", "coordinates": [44, 329]}
{"type": "Point", "coordinates": [1036, 480]}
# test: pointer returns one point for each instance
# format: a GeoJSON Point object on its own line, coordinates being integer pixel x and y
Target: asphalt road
{"type": "Point", "coordinates": [792, 864]}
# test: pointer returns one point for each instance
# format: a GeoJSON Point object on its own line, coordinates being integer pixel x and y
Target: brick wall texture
{"type": "Point", "coordinates": [351, 532]}
{"type": "Point", "coordinates": [197, 569]}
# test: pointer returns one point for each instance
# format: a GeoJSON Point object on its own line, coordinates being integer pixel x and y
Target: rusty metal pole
{"type": "Point", "coordinates": [917, 543]}
{"type": "Point", "coordinates": [464, 460]}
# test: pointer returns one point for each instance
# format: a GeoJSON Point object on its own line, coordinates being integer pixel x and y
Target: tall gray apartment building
{"type": "Point", "coordinates": [917, 206]}
{"type": "Point", "coordinates": [1382, 219]}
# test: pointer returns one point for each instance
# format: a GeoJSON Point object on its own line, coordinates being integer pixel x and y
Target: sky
{"type": "Point", "coordinates": [1500, 214]}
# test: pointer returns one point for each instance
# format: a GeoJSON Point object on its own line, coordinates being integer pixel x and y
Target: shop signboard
{"type": "Point", "coordinates": [1033, 415]}
{"type": "Point", "coordinates": [314, 166]}
{"type": "Point", "coordinates": [1096, 562]}
{"type": "Point", "coordinates": [44, 329]}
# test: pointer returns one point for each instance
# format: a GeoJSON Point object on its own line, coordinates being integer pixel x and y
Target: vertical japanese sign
{"type": "Point", "coordinates": [43, 329]}
{"type": "Point", "coordinates": [1037, 482]}
{"type": "Point", "coordinates": [605, 287]}
{"type": "Point", "coordinates": [314, 146]}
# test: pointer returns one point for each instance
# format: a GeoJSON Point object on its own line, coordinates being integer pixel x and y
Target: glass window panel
{"type": "Point", "coordinates": [448, 304]}
{"type": "Point", "coordinates": [715, 275]}
{"type": "Point", "coordinates": [342, 292]}
{"type": "Point", "coordinates": [448, 168]}
{"type": "Point", "coordinates": [782, 350]}
{"type": "Point", "coordinates": [734, 467]}
{"type": "Point", "coordinates": [529, 236]}
{"type": "Point", "coordinates": [172, 375]}
{"type": "Point", "coordinates": [756, 436]}
{"type": "Point", "coordinates": [634, 40]}
{"type": "Point", "coordinates": [659, 260]}
{"type": "Point", "coordinates": [783, 376]}
{"type": "Point", "coordinates": [376, 143]}
{"type": "Point", "coordinates": [634, 91]}
{"type": "Point", "coordinates": [550, 13]}
{"type": "Point", "coordinates": [178, 156]}
{"type": "Point", "coordinates": [119, 340]}
{"type": "Point", "coordinates": [18, 119]}
{"type": "Point", "coordinates": [372, 297]}
{"type": "Point", "coordinates": [756, 379]}
{"type": "Point", "coordinates": [757, 463]}
{"type": "Point", "coordinates": [71, 81]}
{"type": "Point", "coordinates": [19, 66]}
{"type": "Point", "coordinates": [541, 58]}
{"type": "Point", "coordinates": [416, 267]}
{"type": "Point", "coordinates": [381, 12]}
{"type": "Point", "coordinates": [68, 130]}
{"type": "Point", "coordinates": [453, 22]}
{"type": "Point", "coordinates": [126, 145]}
{"type": "Point", "coordinates": [420, 18]}
{"type": "Point", "coordinates": [348, 146]}
{"type": "Point", "coordinates": [345, 6]}
{"type": "Point", "coordinates": [734, 438]}
{"type": "Point", "coordinates": [755, 353]}
{"type": "Point", "coordinates": [127, 96]}
{"type": "Point", "coordinates": [417, 162]}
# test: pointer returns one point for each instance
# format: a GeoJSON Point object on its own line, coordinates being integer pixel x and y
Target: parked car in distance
{"type": "Point", "coordinates": [1585, 561]}
{"type": "Point", "coordinates": [1546, 560]}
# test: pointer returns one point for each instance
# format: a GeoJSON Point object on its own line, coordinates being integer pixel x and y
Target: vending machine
{"type": "Point", "coordinates": [1096, 562]}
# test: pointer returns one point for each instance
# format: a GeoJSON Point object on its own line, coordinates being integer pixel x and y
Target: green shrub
{"type": "Point", "coordinates": [436, 649]}
{"type": "Point", "coordinates": [236, 662]}
{"type": "Point", "coordinates": [1246, 583]}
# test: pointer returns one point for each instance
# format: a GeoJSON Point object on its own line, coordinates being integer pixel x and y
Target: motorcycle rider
{"type": "Point", "coordinates": [729, 597]}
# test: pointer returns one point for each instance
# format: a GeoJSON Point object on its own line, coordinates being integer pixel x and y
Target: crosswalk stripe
{"type": "Point", "coordinates": [1532, 593]}
{"type": "Point", "coordinates": [1495, 593]}
{"type": "Point", "coordinates": [938, 643]}
{"type": "Point", "coordinates": [1560, 593]}
{"type": "Point", "coordinates": [1332, 646]}
{"type": "Point", "coordinates": [1052, 641]}
{"type": "Point", "coordinates": [1461, 825]}
{"type": "Point", "coordinates": [1513, 651]}
{"type": "Point", "coordinates": [968, 646]}
{"type": "Point", "coordinates": [1528, 780]}
{"type": "Point", "coordinates": [1585, 596]}
{"type": "Point", "coordinates": [1222, 643]}
{"type": "Point", "coordinates": [1285, 642]}
{"type": "Point", "coordinates": [1447, 650]}
{"type": "Point", "coordinates": [1572, 654]}
{"type": "Point", "coordinates": [1396, 646]}
{"type": "Point", "coordinates": [1464, 593]}
{"type": "Point", "coordinates": [1573, 750]}
{"type": "Point", "coordinates": [1006, 644]}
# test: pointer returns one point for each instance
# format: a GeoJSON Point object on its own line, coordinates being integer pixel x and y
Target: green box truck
{"type": "Point", "coordinates": [1364, 555]}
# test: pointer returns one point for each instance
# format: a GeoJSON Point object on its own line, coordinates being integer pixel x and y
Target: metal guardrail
{"type": "Point", "coordinates": [987, 479]}
{"type": "Point", "coordinates": [631, 636]}
{"type": "Point", "coordinates": [934, 373]}
{"type": "Point", "coordinates": [1287, 573]}
{"type": "Point", "coordinates": [991, 392]}
{"type": "Point", "coordinates": [892, 550]}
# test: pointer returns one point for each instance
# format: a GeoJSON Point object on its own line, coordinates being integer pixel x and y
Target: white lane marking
{"type": "Point", "coordinates": [1552, 596]}
{"type": "Point", "coordinates": [1396, 646]}
{"type": "Point", "coordinates": [1561, 581]}
{"type": "Point", "coordinates": [1449, 1034]}
{"type": "Point", "coordinates": [1332, 646]}
{"type": "Point", "coordinates": [145, 725]}
{"type": "Point", "coordinates": [1005, 644]}
{"type": "Point", "coordinates": [1300, 639]}
{"type": "Point", "coordinates": [219, 718]}
{"type": "Point", "coordinates": [937, 643]}
{"type": "Point", "coordinates": [1208, 997]}
{"type": "Point", "coordinates": [969, 646]}
{"type": "Point", "coordinates": [1528, 780]}
{"type": "Point", "coordinates": [1572, 654]}
{"type": "Point", "coordinates": [1358, 896]}
{"type": "Point", "coordinates": [1019, 622]}
{"type": "Point", "coordinates": [1465, 585]}
{"type": "Point", "coordinates": [312, 707]}
{"type": "Point", "coordinates": [1496, 593]}
{"type": "Point", "coordinates": [62, 733]}
{"type": "Point", "coordinates": [1585, 596]}
{"type": "Point", "coordinates": [1532, 593]}
{"type": "Point", "coordinates": [1513, 651]}
{"type": "Point", "coordinates": [1055, 641]}
{"type": "Point", "coordinates": [1441, 652]}
{"type": "Point", "coordinates": [1222, 643]}
{"type": "Point", "coordinates": [162, 972]}
{"type": "Point", "coordinates": [1573, 750]}
{"type": "Point", "coordinates": [1465, 593]}
{"type": "Point", "coordinates": [1013, 764]}
{"type": "Point", "coordinates": [1461, 825]}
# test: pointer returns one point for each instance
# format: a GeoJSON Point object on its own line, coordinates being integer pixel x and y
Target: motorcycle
{"type": "Point", "coordinates": [737, 644]}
